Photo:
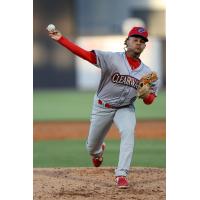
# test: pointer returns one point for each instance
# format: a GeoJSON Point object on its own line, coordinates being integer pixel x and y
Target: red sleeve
{"type": "Point", "coordinates": [87, 55]}
{"type": "Point", "coordinates": [149, 99]}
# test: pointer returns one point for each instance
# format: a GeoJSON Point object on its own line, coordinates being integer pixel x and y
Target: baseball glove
{"type": "Point", "coordinates": [145, 84]}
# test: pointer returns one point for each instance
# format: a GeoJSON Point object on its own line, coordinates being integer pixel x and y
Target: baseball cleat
{"type": "Point", "coordinates": [122, 182]}
{"type": "Point", "coordinates": [97, 161]}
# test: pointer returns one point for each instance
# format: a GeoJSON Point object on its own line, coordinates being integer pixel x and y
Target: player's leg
{"type": "Point", "coordinates": [125, 121]}
{"type": "Point", "coordinates": [101, 121]}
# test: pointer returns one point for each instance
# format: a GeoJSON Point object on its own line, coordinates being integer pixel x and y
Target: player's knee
{"type": "Point", "coordinates": [127, 133]}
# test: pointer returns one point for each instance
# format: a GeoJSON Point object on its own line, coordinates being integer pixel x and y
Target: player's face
{"type": "Point", "coordinates": [136, 44]}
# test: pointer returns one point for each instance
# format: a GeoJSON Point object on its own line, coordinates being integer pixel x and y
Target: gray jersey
{"type": "Point", "coordinates": [119, 83]}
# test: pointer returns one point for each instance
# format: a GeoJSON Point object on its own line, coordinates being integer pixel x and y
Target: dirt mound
{"type": "Point", "coordinates": [97, 183]}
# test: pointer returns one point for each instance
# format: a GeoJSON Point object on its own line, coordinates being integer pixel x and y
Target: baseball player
{"type": "Point", "coordinates": [118, 89]}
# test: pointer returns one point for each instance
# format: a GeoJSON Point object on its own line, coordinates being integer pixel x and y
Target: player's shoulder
{"type": "Point", "coordinates": [108, 53]}
{"type": "Point", "coordinates": [146, 68]}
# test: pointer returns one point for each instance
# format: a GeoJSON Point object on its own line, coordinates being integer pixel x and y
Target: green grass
{"type": "Point", "coordinates": [76, 105]}
{"type": "Point", "coordinates": [61, 105]}
{"type": "Point", "coordinates": [72, 153]}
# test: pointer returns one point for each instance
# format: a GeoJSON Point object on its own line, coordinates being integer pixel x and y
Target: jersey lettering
{"type": "Point", "coordinates": [125, 80]}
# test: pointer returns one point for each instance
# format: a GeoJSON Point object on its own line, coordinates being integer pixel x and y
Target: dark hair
{"type": "Point", "coordinates": [125, 43]}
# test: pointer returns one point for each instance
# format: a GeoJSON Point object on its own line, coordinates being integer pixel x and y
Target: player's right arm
{"type": "Point", "coordinates": [90, 56]}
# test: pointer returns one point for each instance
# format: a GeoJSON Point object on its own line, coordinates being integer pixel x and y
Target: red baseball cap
{"type": "Point", "coordinates": [139, 31]}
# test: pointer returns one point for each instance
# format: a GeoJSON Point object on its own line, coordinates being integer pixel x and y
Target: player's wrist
{"type": "Point", "coordinates": [149, 98]}
{"type": "Point", "coordinates": [61, 38]}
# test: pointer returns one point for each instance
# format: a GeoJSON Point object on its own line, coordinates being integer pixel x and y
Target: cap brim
{"type": "Point", "coordinates": [135, 35]}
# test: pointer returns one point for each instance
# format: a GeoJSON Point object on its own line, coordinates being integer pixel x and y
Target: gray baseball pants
{"type": "Point", "coordinates": [101, 121]}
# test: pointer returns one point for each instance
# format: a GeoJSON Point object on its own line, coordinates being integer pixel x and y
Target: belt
{"type": "Point", "coordinates": [107, 105]}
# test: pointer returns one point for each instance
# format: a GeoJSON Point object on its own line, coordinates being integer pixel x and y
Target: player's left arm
{"type": "Point", "coordinates": [149, 98]}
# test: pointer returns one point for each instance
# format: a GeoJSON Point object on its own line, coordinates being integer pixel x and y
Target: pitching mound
{"type": "Point", "coordinates": [97, 183]}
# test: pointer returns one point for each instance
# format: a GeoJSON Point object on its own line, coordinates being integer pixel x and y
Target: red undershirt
{"type": "Point", "coordinates": [90, 56]}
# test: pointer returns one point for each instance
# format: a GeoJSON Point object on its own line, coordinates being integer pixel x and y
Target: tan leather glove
{"type": "Point", "coordinates": [145, 82]}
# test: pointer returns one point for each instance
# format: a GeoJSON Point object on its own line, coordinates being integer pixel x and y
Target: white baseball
{"type": "Point", "coordinates": [51, 28]}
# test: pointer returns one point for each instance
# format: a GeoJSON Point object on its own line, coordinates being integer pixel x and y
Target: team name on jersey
{"type": "Point", "coordinates": [125, 80]}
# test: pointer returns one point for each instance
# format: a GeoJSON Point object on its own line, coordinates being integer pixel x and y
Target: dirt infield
{"type": "Point", "coordinates": [93, 183]}
{"type": "Point", "coordinates": [79, 130]}
{"type": "Point", "coordinates": [96, 183]}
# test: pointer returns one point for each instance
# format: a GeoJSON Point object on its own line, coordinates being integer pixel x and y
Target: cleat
{"type": "Point", "coordinates": [121, 182]}
{"type": "Point", "coordinates": [97, 161]}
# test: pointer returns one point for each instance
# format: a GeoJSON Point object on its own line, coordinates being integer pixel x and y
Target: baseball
{"type": "Point", "coordinates": [51, 28]}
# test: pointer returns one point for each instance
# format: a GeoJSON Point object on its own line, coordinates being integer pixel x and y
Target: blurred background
{"type": "Point", "coordinates": [64, 85]}
{"type": "Point", "coordinates": [92, 24]}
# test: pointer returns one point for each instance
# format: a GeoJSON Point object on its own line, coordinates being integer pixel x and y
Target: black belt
{"type": "Point", "coordinates": [107, 105]}
{"type": "Point", "coordinates": [118, 107]}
